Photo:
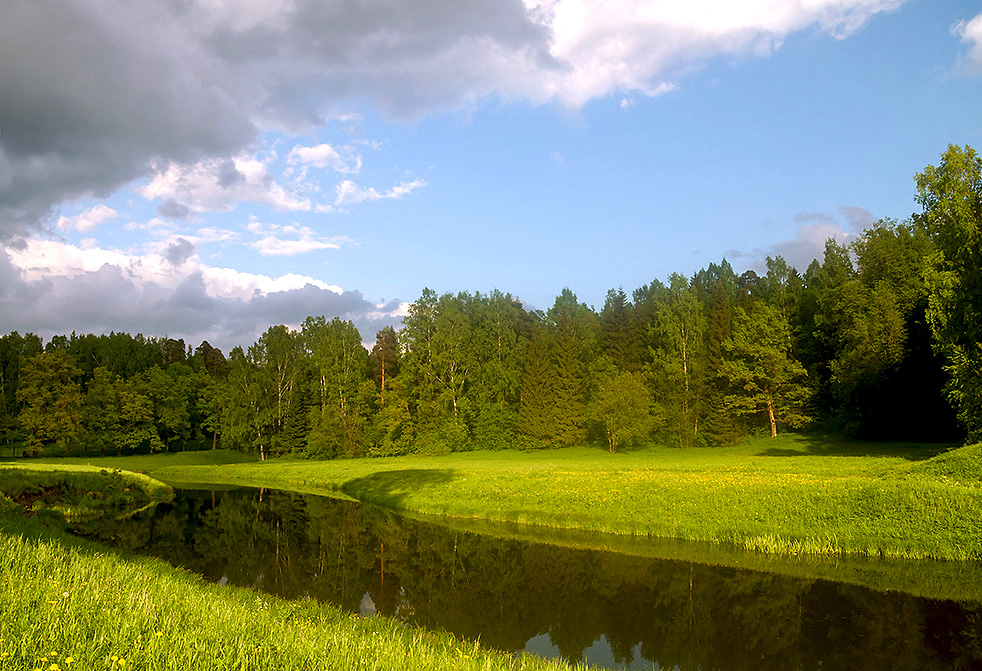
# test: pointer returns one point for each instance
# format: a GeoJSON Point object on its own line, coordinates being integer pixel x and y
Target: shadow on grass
{"type": "Point", "coordinates": [814, 445]}
{"type": "Point", "coordinates": [390, 488]}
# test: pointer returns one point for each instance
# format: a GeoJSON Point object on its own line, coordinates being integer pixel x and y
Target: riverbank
{"type": "Point", "coordinates": [66, 603]}
{"type": "Point", "coordinates": [793, 495]}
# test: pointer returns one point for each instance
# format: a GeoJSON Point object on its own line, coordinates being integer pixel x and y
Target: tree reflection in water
{"type": "Point", "coordinates": [613, 609]}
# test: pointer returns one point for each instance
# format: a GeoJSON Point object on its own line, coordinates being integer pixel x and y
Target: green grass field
{"type": "Point", "coordinates": [791, 494]}
{"type": "Point", "coordinates": [68, 604]}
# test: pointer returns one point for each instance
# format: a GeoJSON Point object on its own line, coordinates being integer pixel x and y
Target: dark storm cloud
{"type": "Point", "coordinates": [94, 93]}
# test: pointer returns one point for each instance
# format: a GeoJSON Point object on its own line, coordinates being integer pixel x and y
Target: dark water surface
{"type": "Point", "coordinates": [609, 609]}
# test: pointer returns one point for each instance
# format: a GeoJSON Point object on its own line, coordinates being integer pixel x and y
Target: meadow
{"type": "Point", "coordinates": [794, 494]}
{"type": "Point", "coordinates": [66, 603]}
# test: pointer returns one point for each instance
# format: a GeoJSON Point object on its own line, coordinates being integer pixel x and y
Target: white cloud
{"type": "Point", "coordinates": [970, 33]}
{"type": "Point", "coordinates": [289, 240]}
{"type": "Point", "coordinates": [344, 160]}
{"type": "Point", "coordinates": [49, 287]}
{"type": "Point", "coordinates": [640, 45]}
{"type": "Point", "coordinates": [217, 185]}
{"type": "Point", "coordinates": [187, 86]}
{"type": "Point", "coordinates": [88, 220]}
{"type": "Point", "coordinates": [349, 193]}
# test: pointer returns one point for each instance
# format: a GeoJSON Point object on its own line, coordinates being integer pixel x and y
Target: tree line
{"type": "Point", "coordinates": [880, 339]}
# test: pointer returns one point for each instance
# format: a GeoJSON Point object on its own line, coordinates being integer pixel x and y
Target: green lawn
{"type": "Point", "coordinates": [791, 494]}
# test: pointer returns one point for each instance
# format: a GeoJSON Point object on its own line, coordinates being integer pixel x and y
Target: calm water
{"type": "Point", "coordinates": [611, 609]}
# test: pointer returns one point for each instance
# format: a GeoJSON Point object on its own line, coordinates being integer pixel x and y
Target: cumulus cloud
{"type": "Point", "coordinates": [349, 193]}
{"type": "Point", "coordinates": [47, 284]}
{"type": "Point", "coordinates": [344, 160]}
{"type": "Point", "coordinates": [217, 185]}
{"type": "Point", "coordinates": [88, 220]}
{"type": "Point", "coordinates": [177, 91]}
{"type": "Point", "coordinates": [289, 240]}
{"type": "Point", "coordinates": [970, 33]}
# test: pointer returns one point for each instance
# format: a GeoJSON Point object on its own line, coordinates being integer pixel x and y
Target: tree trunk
{"type": "Point", "coordinates": [770, 416]}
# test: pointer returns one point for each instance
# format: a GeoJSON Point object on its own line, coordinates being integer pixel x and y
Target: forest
{"type": "Point", "coordinates": [880, 339]}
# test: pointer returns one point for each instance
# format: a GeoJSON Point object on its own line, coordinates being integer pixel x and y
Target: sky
{"type": "Point", "coordinates": [204, 169]}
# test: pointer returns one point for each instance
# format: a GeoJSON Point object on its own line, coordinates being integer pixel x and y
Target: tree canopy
{"type": "Point", "coordinates": [880, 338]}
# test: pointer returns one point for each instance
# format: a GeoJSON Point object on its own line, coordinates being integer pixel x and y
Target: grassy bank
{"type": "Point", "coordinates": [66, 603]}
{"type": "Point", "coordinates": [792, 495]}
{"type": "Point", "coordinates": [76, 491]}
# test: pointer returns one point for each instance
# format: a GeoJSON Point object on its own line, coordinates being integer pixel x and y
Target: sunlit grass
{"type": "Point", "coordinates": [66, 605]}
{"type": "Point", "coordinates": [792, 494]}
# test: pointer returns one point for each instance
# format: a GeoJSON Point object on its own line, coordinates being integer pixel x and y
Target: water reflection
{"type": "Point", "coordinates": [610, 609]}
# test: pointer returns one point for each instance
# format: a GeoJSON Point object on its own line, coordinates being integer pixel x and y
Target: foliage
{"type": "Point", "coordinates": [951, 197]}
{"type": "Point", "coordinates": [879, 339]}
{"type": "Point", "coordinates": [623, 405]}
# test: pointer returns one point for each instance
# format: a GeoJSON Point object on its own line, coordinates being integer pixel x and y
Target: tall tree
{"type": "Point", "coordinates": [677, 365]}
{"type": "Point", "coordinates": [764, 376]}
{"type": "Point", "coordinates": [536, 422]}
{"type": "Point", "coordinates": [620, 331]}
{"type": "Point", "coordinates": [278, 359]}
{"type": "Point", "coordinates": [951, 197]}
{"type": "Point", "coordinates": [14, 351]}
{"type": "Point", "coordinates": [100, 411]}
{"type": "Point", "coordinates": [52, 401]}
{"type": "Point", "coordinates": [383, 360]}
{"type": "Point", "coordinates": [340, 364]}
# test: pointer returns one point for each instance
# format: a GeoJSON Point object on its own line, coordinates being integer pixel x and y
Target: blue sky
{"type": "Point", "coordinates": [203, 170]}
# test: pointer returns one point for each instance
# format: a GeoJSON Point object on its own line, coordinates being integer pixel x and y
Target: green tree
{"type": "Point", "coordinates": [136, 420]}
{"type": "Point", "coordinates": [277, 359]}
{"type": "Point", "coordinates": [100, 411]}
{"type": "Point", "coordinates": [52, 401]}
{"type": "Point", "coordinates": [622, 405]}
{"type": "Point", "coordinates": [383, 360]}
{"type": "Point", "coordinates": [340, 365]}
{"type": "Point", "coordinates": [620, 331]}
{"type": "Point", "coordinates": [169, 402]}
{"type": "Point", "coordinates": [439, 362]}
{"type": "Point", "coordinates": [763, 374]}
{"type": "Point", "coordinates": [677, 366]}
{"type": "Point", "coordinates": [535, 415]}
{"type": "Point", "coordinates": [14, 351]}
{"type": "Point", "coordinates": [246, 419]}
{"type": "Point", "coordinates": [951, 197]}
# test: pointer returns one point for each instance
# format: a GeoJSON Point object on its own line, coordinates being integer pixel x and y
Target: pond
{"type": "Point", "coordinates": [610, 609]}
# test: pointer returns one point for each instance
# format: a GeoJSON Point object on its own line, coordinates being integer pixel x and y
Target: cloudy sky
{"type": "Point", "coordinates": [202, 169]}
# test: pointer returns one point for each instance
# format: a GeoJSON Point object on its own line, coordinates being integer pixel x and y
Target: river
{"type": "Point", "coordinates": [611, 609]}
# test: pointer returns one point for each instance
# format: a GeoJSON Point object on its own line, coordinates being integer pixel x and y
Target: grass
{"type": "Point", "coordinates": [67, 604]}
{"type": "Point", "coordinates": [793, 495]}
{"type": "Point", "coordinates": [76, 491]}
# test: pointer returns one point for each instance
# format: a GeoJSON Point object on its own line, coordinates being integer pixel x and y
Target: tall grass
{"type": "Point", "coordinates": [66, 605]}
